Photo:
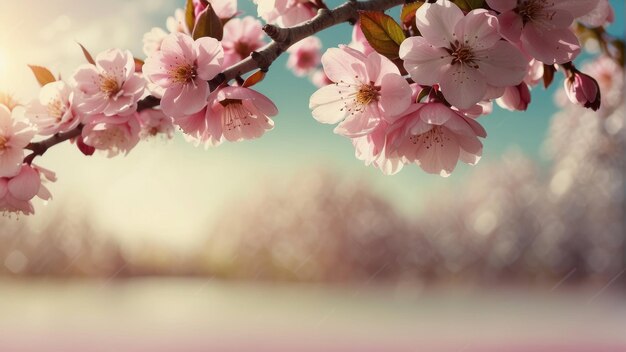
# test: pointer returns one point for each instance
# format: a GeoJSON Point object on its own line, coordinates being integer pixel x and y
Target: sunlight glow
{"type": "Point", "coordinates": [3, 63]}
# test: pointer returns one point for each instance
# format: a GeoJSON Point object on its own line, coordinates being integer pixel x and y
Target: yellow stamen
{"type": "Point", "coordinates": [109, 86]}
{"type": "Point", "coordinates": [366, 94]}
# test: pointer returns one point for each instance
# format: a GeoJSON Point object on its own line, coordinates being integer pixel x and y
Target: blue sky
{"type": "Point", "coordinates": [184, 184]}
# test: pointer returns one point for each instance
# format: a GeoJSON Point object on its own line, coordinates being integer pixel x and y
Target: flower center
{"type": "Point", "coordinates": [56, 109]}
{"type": "Point", "coordinates": [530, 10]}
{"type": "Point", "coordinates": [110, 138]}
{"type": "Point", "coordinates": [184, 73]}
{"type": "Point", "coordinates": [367, 93]}
{"type": "Point", "coordinates": [306, 60]}
{"type": "Point", "coordinates": [235, 114]}
{"type": "Point", "coordinates": [357, 96]}
{"type": "Point", "coordinates": [109, 86]}
{"type": "Point", "coordinates": [462, 54]}
{"type": "Point", "coordinates": [431, 138]}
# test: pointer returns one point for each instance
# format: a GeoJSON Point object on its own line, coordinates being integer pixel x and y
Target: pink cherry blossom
{"type": "Point", "coordinates": [541, 27]}
{"type": "Point", "coordinates": [285, 13]}
{"type": "Point", "coordinates": [182, 68]}
{"type": "Point", "coordinates": [304, 56]}
{"type": "Point", "coordinates": [16, 192]}
{"type": "Point", "coordinates": [242, 36]}
{"type": "Point", "coordinates": [582, 89]}
{"type": "Point", "coordinates": [109, 87]}
{"type": "Point", "coordinates": [435, 137]}
{"type": "Point", "coordinates": [177, 24]}
{"type": "Point", "coordinates": [515, 98]}
{"type": "Point", "coordinates": [600, 16]}
{"type": "Point", "coordinates": [54, 110]}
{"type": "Point", "coordinates": [463, 54]}
{"type": "Point", "coordinates": [224, 9]}
{"type": "Point", "coordinates": [152, 40]}
{"type": "Point", "coordinates": [154, 122]}
{"type": "Point", "coordinates": [113, 134]}
{"type": "Point", "coordinates": [366, 90]}
{"type": "Point", "coordinates": [232, 114]}
{"type": "Point", "coordinates": [14, 137]}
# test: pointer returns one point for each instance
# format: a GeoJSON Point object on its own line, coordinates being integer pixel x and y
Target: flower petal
{"type": "Point", "coordinates": [478, 29]}
{"type": "Point", "coordinates": [423, 61]}
{"type": "Point", "coordinates": [4, 188]}
{"type": "Point", "coordinates": [577, 8]}
{"type": "Point", "coordinates": [510, 25]}
{"type": "Point", "coordinates": [210, 57]}
{"type": "Point", "coordinates": [339, 65]}
{"type": "Point", "coordinates": [436, 114]}
{"type": "Point", "coordinates": [550, 47]}
{"type": "Point", "coordinates": [503, 65]}
{"type": "Point", "coordinates": [327, 104]}
{"type": "Point", "coordinates": [463, 86]}
{"type": "Point", "coordinates": [436, 22]}
{"type": "Point", "coordinates": [359, 124]}
{"type": "Point", "coordinates": [378, 66]}
{"type": "Point", "coordinates": [395, 95]}
{"type": "Point", "coordinates": [25, 185]}
{"type": "Point", "coordinates": [502, 5]}
{"type": "Point", "coordinates": [186, 99]}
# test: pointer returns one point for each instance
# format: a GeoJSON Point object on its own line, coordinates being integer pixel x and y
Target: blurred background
{"type": "Point", "coordinates": [290, 243]}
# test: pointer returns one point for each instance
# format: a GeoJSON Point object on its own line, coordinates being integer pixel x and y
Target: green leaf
{"type": "Point", "coordinates": [87, 54]}
{"type": "Point", "coordinates": [383, 33]}
{"type": "Point", "coordinates": [208, 24]}
{"type": "Point", "coordinates": [42, 74]}
{"type": "Point", "coordinates": [469, 5]}
{"type": "Point", "coordinates": [407, 16]}
{"type": "Point", "coordinates": [190, 16]}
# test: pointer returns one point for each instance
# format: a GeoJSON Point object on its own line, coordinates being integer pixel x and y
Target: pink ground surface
{"type": "Point", "coordinates": [199, 315]}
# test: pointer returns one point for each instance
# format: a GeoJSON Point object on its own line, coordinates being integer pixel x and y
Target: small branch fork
{"type": "Point", "coordinates": [282, 39]}
{"type": "Point", "coordinates": [39, 148]}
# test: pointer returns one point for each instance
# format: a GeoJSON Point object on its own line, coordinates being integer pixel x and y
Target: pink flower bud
{"type": "Point", "coordinates": [583, 89]}
{"type": "Point", "coordinates": [515, 98]}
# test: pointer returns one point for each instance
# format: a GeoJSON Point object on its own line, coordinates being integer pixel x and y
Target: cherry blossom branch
{"type": "Point", "coordinates": [39, 148]}
{"type": "Point", "coordinates": [282, 39]}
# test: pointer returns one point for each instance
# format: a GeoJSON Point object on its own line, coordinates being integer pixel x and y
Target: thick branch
{"type": "Point", "coordinates": [282, 39]}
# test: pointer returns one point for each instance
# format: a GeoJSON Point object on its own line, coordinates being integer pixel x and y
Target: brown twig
{"type": "Point", "coordinates": [282, 39]}
{"type": "Point", "coordinates": [39, 148]}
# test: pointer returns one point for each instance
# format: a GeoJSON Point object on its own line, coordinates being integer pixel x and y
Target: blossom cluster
{"type": "Point", "coordinates": [407, 93]}
{"type": "Point", "coordinates": [422, 106]}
